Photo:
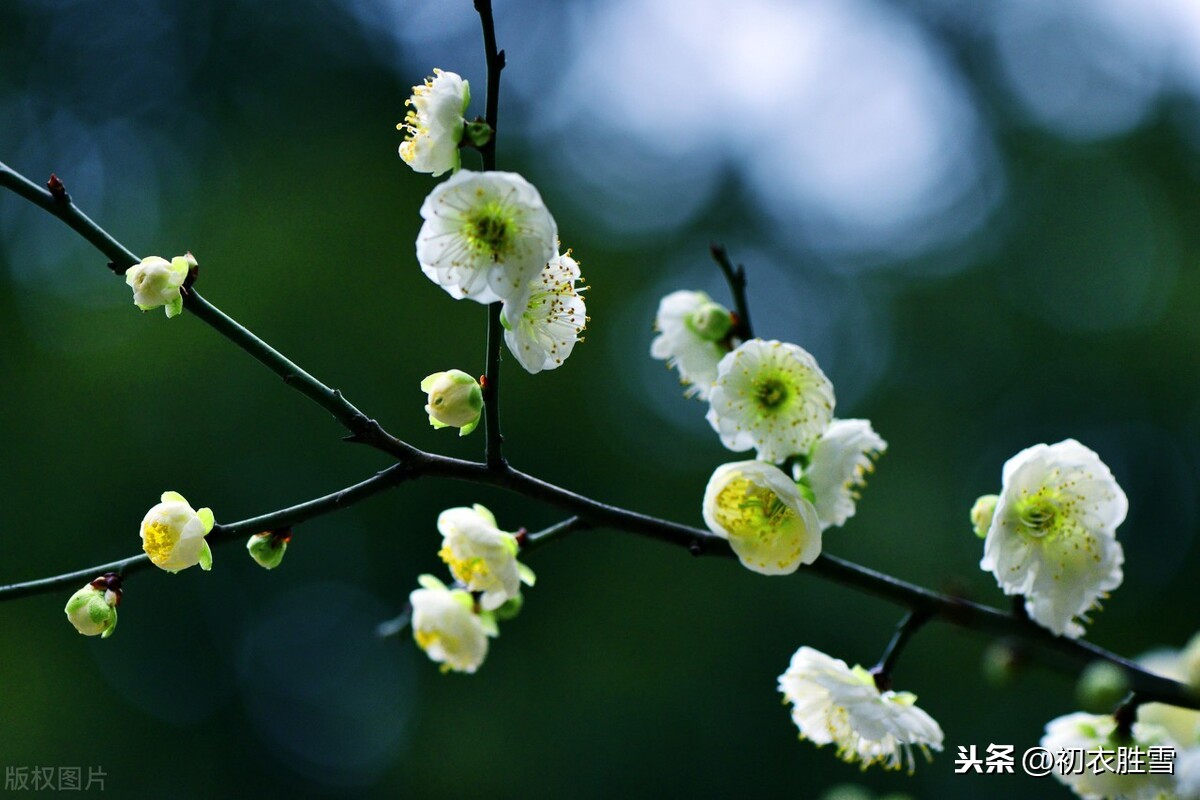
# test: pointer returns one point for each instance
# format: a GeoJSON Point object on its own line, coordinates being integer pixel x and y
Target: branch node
{"type": "Point", "coordinates": [696, 547]}
{"type": "Point", "coordinates": [57, 189]}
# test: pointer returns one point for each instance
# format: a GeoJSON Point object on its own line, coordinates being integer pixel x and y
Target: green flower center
{"type": "Point", "coordinates": [771, 393]}
{"type": "Point", "coordinates": [488, 230]}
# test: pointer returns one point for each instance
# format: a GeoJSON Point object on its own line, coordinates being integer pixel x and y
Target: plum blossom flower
{"type": "Point", "coordinates": [838, 466]}
{"type": "Point", "coordinates": [485, 236]}
{"type": "Point", "coordinates": [772, 397]}
{"type": "Point", "coordinates": [542, 332]}
{"type": "Point", "coordinates": [1053, 533]}
{"type": "Point", "coordinates": [157, 282]}
{"type": "Point", "coordinates": [481, 556]}
{"type": "Point", "coordinates": [173, 534]}
{"type": "Point", "coordinates": [759, 510]}
{"type": "Point", "coordinates": [434, 123]}
{"type": "Point", "coordinates": [447, 628]}
{"type": "Point", "coordinates": [832, 703]}
{"type": "Point", "coordinates": [1094, 735]}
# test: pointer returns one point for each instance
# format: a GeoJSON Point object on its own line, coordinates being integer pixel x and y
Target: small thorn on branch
{"type": "Point", "coordinates": [119, 270]}
{"type": "Point", "coordinates": [695, 547]}
{"type": "Point", "coordinates": [500, 60]}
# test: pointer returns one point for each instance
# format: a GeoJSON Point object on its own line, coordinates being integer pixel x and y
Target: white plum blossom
{"type": "Point", "coordinates": [485, 236]}
{"type": "Point", "coordinates": [1099, 777]}
{"type": "Point", "coordinates": [434, 123]}
{"type": "Point", "coordinates": [692, 331]}
{"type": "Point", "coordinates": [543, 330]}
{"type": "Point", "coordinates": [173, 534]}
{"type": "Point", "coordinates": [481, 556]}
{"type": "Point", "coordinates": [759, 510]}
{"type": "Point", "coordinates": [1053, 533]}
{"type": "Point", "coordinates": [1187, 774]}
{"type": "Point", "coordinates": [832, 703]}
{"type": "Point", "coordinates": [446, 627]}
{"type": "Point", "coordinates": [157, 282]}
{"type": "Point", "coordinates": [838, 466]}
{"type": "Point", "coordinates": [772, 397]}
{"type": "Point", "coordinates": [1181, 724]}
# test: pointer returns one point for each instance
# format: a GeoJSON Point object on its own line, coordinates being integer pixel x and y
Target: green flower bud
{"type": "Point", "coordinates": [267, 548]}
{"type": "Point", "coordinates": [1191, 664]}
{"type": "Point", "coordinates": [711, 321]}
{"type": "Point", "coordinates": [93, 609]}
{"type": "Point", "coordinates": [1000, 664]}
{"type": "Point", "coordinates": [1101, 686]}
{"type": "Point", "coordinates": [981, 514]}
{"type": "Point", "coordinates": [455, 400]}
{"type": "Point", "coordinates": [510, 608]}
{"type": "Point", "coordinates": [846, 791]}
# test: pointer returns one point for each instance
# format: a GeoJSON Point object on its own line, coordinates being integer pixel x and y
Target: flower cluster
{"type": "Point", "coordinates": [453, 625]}
{"type": "Point", "coordinates": [1051, 533]}
{"type": "Point", "coordinates": [773, 398]}
{"type": "Point", "coordinates": [172, 534]}
{"type": "Point", "coordinates": [488, 236]}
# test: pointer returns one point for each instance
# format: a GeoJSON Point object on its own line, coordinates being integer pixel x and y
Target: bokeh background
{"type": "Point", "coordinates": [980, 217]}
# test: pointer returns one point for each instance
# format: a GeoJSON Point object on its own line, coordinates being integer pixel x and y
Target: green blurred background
{"type": "Point", "coordinates": [980, 217]}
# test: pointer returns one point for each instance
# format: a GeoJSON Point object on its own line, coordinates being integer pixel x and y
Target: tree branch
{"type": "Point", "coordinates": [415, 463]}
{"type": "Point", "coordinates": [736, 278]}
{"type": "Point", "coordinates": [362, 429]}
{"type": "Point", "coordinates": [493, 452]}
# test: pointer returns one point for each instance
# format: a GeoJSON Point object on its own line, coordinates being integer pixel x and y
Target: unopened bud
{"type": "Point", "coordinates": [93, 609]}
{"type": "Point", "coordinates": [711, 321]}
{"type": "Point", "coordinates": [267, 548]}
{"type": "Point", "coordinates": [1101, 686]}
{"type": "Point", "coordinates": [455, 400]}
{"type": "Point", "coordinates": [982, 512]}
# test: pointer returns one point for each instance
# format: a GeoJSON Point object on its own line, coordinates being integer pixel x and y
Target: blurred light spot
{"type": "Point", "coordinates": [852, 130]}
{"type": "Point", "coordinates": [328, 697]}
{"type": "Point", "coordinates": [1083, 69]}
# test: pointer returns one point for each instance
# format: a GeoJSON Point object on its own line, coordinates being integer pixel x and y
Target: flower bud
{"type": "Point", "coordinates": [455, 400]}
{"type": "Point", "coordinates": [510, 608]}
{"type": "Point", "coordinates": [93, 609]}
{"type": "Point", "coordinates": [267, 548]}
{"type": "Point", "coordinates": [1000, 663]}
{"type": "Point", "coordinates": [157, 282]}
{"type": "Point", "coordinates": [1101, 686]}
{"type": "Point", "coordinates": [981, 514]}
{"type": "Point", "coordinates": [710, 321]}
{"type": "Point", "coordinates": [1190, 658]}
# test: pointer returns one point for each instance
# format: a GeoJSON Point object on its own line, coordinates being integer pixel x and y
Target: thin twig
{"type": "Point", "coordinates": [361, 428]}
{"type": "Point", "coordinates": [912, 622]}
{"type": "Point", "coordinates": [736, 278]}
